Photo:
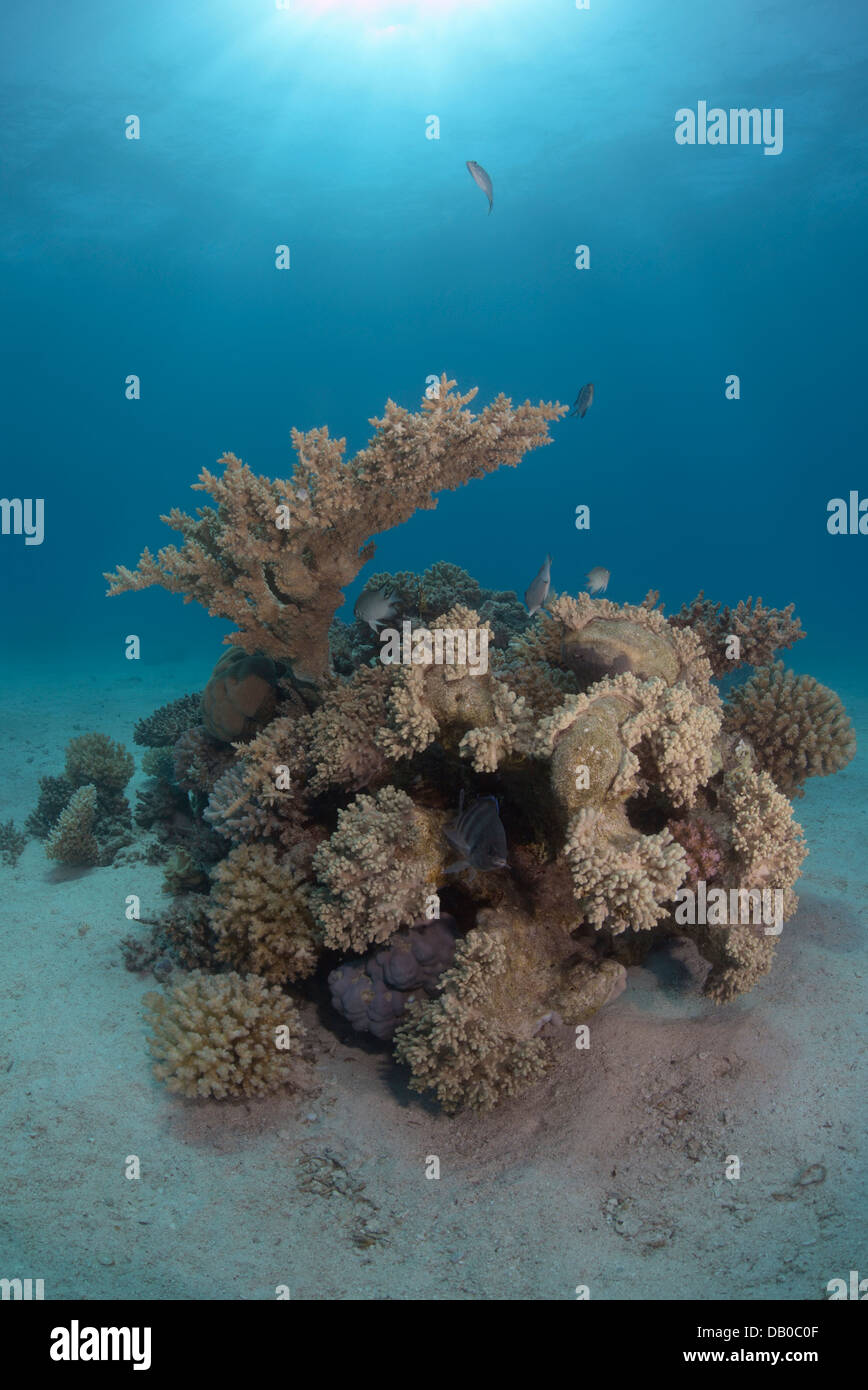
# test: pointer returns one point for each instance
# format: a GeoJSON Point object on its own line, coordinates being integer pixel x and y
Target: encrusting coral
{"type": "Point", "coordinates": [594, 737]}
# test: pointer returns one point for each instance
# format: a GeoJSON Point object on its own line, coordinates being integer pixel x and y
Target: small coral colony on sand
{"type": "Point", "coordinates": [469, 853]}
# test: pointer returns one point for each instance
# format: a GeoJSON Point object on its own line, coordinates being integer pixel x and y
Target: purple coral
{"type": "Point", "coordinates": [701, 847]}
{"type": "Point", "coordinates": [371, 992]}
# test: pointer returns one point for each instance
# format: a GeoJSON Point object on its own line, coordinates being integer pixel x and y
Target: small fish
{"type": "Point", "coordinates": [584, 401]}
{"type": "Point", "coordinates": [302, 494]}
{"type": "Point", "coordinates": [479, 176]}
{"type": "Point", "coordinates": [478, 835]}
{"type": "Point", "coordinates": [538, 592]}
{"type": "Point", "coordinates": [598, 580]}
{"type": "Point", "coordinates": [374, 607]}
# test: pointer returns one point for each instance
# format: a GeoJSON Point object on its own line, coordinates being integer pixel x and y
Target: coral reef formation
{"type": "Point", "coordinates": [313, 795]}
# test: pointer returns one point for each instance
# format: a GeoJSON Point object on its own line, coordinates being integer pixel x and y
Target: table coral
{"type": "Point", "coordinates": [274, 556]}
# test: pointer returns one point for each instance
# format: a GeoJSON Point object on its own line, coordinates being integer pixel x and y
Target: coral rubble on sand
{"type": "Point", "coordinates": [312, 792]}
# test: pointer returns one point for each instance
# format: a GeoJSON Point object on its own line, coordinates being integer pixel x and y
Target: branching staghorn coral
{"type": "Point", "coordinates": [796, 727]}
{"type": "Point", "coordinates": [274, 556]}
{"type": "Point", "coordinates": [165, 726]}
{"type": "Point", "coordinates": [223, 1036]}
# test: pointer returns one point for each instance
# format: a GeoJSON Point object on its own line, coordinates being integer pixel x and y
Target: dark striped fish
{"type": "Point", "coordinates": [584, 401]}
{"type": "Point", "coordinates": [478, 836]}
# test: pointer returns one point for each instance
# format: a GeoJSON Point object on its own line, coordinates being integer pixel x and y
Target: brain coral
{"type": "Point", "coordinates": [797, 727]}
{"type": "Point", "coordinates": [223, 1036]}
{"type": "Point", "coordinates": [239, 697]}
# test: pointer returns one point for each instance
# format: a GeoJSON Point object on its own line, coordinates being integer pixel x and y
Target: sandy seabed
{"type": "Point", "coordinates": [609, 1173]}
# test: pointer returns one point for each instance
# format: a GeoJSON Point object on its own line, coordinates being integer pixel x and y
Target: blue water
{"type": "Point", "coordinates": [307, 127]}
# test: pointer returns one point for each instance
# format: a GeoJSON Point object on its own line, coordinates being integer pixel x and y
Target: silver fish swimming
{"type": "Point", "coordinates": [584, 401]}
{"type": "Point", "coordinates": [375, 607]}
{"type": "Point", "coordinates": [478, 835]}
{"type": "Point", "coordinates": [598, 580]}
{"type": "Point", "coordinates": [538, 590]}
{"type": "Point", "coordinates": [479, 176]}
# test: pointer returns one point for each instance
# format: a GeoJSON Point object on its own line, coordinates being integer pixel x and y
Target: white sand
{"type": "Point", "coordinates": [609, 1173]}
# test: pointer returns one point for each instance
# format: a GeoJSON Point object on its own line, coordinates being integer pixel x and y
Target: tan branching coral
{"type": "Point", "coordinates": [260, 915]}
{"type": "Point", "coordinates": [72, 840]}
{"type": "Point", "coordinates": [274, 556]}
{"type": "Point", "coordinates": [627, 732]}
{"type": "Point", "coordinates": [797, 727]}
{"type": "Point", "coordinates": [377, 870]}
{"type": "Point", "coordinates": [340, 736]}
{"type": "Point", "coordinates": [98, 759]}
{"type": "Point", "coordinates": [739, 957]}
{"type": "Point", "coordinates": [760, 631]}
{"type": "Point", "coordinates": [223, 1036]}
{"type": "Point", "coordinates": [461, 702]}
{"type": "Point", "coordinates": [768, 842]}
{"type": "Point", "coordinates": [622, 878]}
{"type": "Point", "coordinates": [460, 1045]}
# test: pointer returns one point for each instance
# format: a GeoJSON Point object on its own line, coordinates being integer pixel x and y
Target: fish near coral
{"type": "Point", "coordinates": [478, 835]}
{"type": "Point", "coordinates": [374, 607]}
{"type": "Point", "coordinates": [538, 591]}
{"type": "Point", "coordinates": [584, 401]}
{"type": "Point", "coordinates": [482, 180]}
{"type": "Point", "coordinates": [598, 580]}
